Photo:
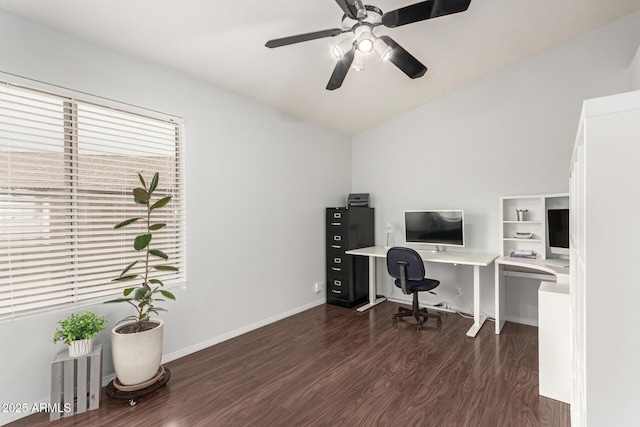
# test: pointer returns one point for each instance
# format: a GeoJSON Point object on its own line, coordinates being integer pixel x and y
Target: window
{"type": "Point", "coordinates": [67, 171]}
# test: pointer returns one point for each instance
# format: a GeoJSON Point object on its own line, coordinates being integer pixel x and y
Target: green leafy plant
{"type": "Point", "coordinates": [79, 327]}
{"type": "Point", "coordinates": [144, 296]}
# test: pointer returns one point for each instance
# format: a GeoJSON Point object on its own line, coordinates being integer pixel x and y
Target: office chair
{"type": "Point", "coordinates": [406, 266]}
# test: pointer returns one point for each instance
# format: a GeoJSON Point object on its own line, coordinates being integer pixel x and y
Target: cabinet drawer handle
{"type": "Point", "coordinates": [336, 269]}
{"type": "Point", "coordinates": [337, 260]}
{"type": "Point", "coordinates": [336, 246]}
{"type": "Point", "coordinates": [337, 282]}
{"type": "Point", "coordinates": [337, 224]}
{"type": "Point", "coordinates": [337, 215]}
{"type": "Point", "coordinates": [336, 292]}
{"type": "Point", "coordinates": [337, 238]}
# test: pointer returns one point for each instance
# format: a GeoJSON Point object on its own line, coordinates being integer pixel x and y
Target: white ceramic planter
{"type": "Point", "coordinates": [136, 357]}
{"type": "Point", "coordinates": [80, 347]}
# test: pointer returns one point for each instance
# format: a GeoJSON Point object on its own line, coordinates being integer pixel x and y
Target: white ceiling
{"type": "Point", "coordinates": [222, 42]}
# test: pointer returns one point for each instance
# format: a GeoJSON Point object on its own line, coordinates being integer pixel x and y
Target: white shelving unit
{"type": "Point", "coordinates": [605, 202]}
{"type": "Point", "coordinates": [534, 223]}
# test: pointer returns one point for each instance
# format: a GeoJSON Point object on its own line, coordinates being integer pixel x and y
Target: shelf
{"type": "Point", "coordinates": [536, 207]}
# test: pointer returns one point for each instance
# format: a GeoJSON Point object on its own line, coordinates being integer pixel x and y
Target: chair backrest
{"type": "Point", "coordinates": [398, 256]}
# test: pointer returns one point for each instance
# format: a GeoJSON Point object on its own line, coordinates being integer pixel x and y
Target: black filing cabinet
{"type": "Point", "coordinates": [348, 275]}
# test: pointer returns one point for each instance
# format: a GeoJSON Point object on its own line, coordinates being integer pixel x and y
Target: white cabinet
{"type": "Point", "coordinates": [514, 231]}
{"type": "Point", "coordinates": [554, 341]}
{"type": "Point", "coordinates": [604, 283]}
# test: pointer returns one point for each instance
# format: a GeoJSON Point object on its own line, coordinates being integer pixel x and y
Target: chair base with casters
{"type": "Point", "coordinates": [407, 267]}
{"type": "Point", "coordinates": [416, 312]}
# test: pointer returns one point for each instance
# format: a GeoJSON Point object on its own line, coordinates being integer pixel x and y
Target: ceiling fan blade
{"type": "Point", "coordinates": [404, 60]}
{"type": "Point", "coordinates": [423, 10]}
{"type": "Point", "coordinates": [303, 37]}
{"type": "Point", "coordinates": [352, 8]}
{"type": "Point", "coordinates": [341, 69]}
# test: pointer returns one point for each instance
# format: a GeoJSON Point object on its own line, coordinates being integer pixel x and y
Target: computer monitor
{"type": "Point", "coordinates": [434, 227]}
{"type": "Point", "coordinates": [558, 231]}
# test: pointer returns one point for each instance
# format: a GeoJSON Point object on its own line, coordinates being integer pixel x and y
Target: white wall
{"type": "Point", "coordinates": [634, 72]}
{"type": "Point", "coordinates": [257, 185]}
{"type": "Point", "coordinates": [510, 133]}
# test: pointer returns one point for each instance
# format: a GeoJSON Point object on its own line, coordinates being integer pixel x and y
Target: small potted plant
{"type": "Point", "coordinates": [77, 331]}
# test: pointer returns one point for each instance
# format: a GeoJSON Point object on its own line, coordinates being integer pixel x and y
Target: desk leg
{"type": "Point", "coordinates": [478, 319]}
{"type": "Point", "coordinates": [499, 309]}
{"type": "Point", "coordinates": [372, 287]}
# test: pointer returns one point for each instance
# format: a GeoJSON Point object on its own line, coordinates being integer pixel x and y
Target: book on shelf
{"type": "Point", "coordinates": [523, 254]}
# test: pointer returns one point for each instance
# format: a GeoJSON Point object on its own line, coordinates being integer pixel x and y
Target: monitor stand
{"type": "Point", "coordinates": [434, 250]}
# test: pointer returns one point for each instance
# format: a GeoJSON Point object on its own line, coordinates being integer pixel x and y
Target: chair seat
{"type": "Point", "coordinates": [417, 286]}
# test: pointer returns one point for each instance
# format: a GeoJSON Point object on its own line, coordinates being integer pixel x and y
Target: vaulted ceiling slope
{"type": "Point", "coordinates": [224, 43]}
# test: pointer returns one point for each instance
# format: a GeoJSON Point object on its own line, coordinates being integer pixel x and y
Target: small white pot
{"type": "Point", "coordinates": [136, 357]}
{"type": "Point", "coordinates": [80, 347]}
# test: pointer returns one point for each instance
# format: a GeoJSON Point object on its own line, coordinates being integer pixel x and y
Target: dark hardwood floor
{"type": "Point", "coordinates": [331, 366]}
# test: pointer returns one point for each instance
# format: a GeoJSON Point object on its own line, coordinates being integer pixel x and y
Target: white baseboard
{"type": "Point", "coordinates": [522, 321]}
{"type": "Point", "coordinates": [224, 337]}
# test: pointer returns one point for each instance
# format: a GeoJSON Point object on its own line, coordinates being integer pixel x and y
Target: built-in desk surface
{"type": "Point", "coordinates": [559, 270]}
{"type": "Point", "coordinates": [543, 270]}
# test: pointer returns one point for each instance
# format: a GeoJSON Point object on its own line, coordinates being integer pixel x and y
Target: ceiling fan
{"type": "Point", "coordinates": [361, 20]}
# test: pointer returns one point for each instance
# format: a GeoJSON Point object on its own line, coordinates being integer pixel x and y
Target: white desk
{"type": "Point", "coordinates": [539, 269]}
{"type": "Point", "coordinates": [477, 260]}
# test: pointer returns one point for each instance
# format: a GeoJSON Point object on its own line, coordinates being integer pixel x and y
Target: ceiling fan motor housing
{"type": "Point", "coordinates": [373, 18]}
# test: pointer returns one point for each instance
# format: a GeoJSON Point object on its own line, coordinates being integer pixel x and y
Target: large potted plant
{"type": "Point", "coordinates": [136, 341]}
{"type": "Point", "coordinates": [77, 331]}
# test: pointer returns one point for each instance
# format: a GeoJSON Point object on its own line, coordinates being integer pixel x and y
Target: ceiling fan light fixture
{"type": "Point", "coordinates": [382, 49]}
{"type": "Point", "coordinates": [364, 38]}
{"type": "Point", "coordinates": [358, 62]}
{"type": "Point", "coordinates": [340, 49]}
{"type": "Point", "coordinates": [365, 45]}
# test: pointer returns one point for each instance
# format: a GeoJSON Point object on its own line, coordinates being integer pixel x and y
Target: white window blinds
{"type": "Point", "coordinates": [67, 171]}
